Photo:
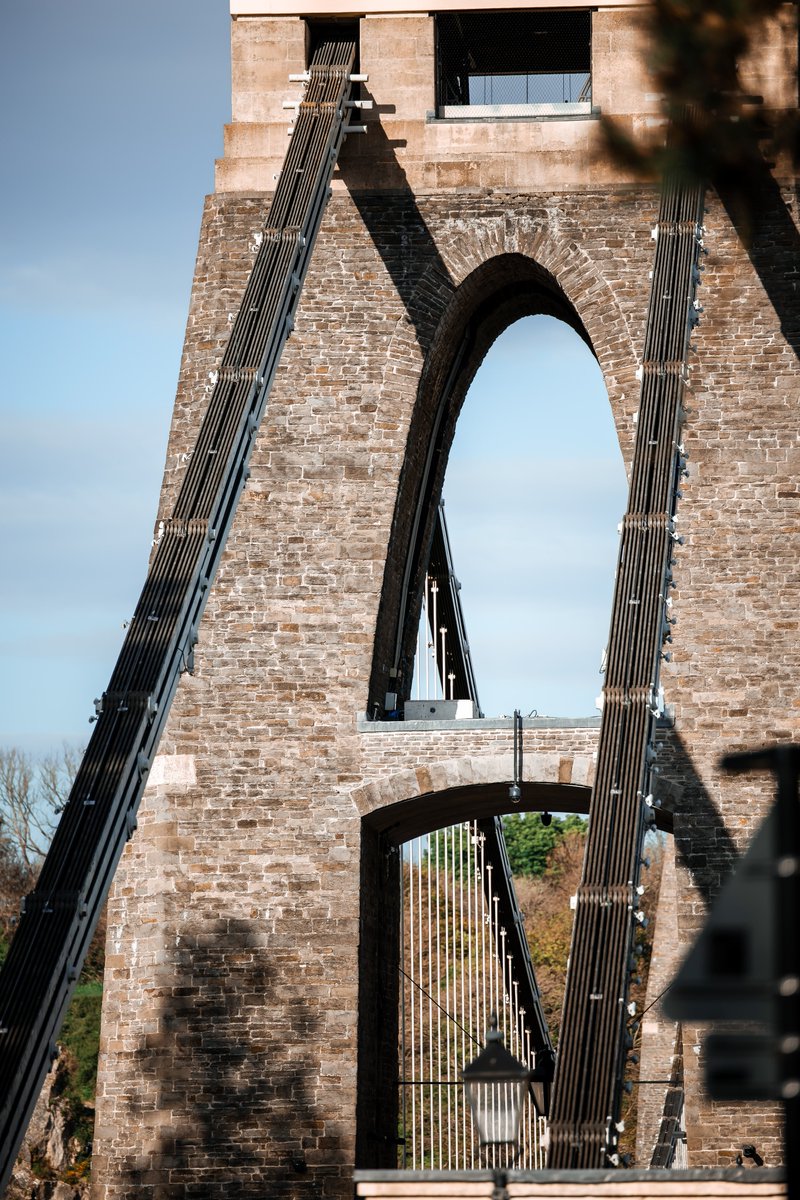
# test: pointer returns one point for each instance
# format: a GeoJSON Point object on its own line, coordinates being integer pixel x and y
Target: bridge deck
{"type": "Point", "coordinates": [741, 1183]}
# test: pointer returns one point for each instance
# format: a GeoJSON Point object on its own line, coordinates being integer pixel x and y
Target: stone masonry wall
{"type": "Point", "coordinates": [231, 1015]}
{"type": "Point", "coordinates": [658, 1034]}
{"type": "Point", "coordinates": [735, 649]}
{"type": "Point", "coordinates": [230, 1018]}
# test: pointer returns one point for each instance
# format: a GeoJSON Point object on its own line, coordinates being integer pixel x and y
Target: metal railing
{"type": "Point", "coordinates": [443, 668]}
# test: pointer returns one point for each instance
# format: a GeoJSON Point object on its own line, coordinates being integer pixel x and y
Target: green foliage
{"type": "Point", "coordinates": [80, 1037]}
{"type": "Point", "coordinates": [530, 843]}
{"type": "Point", "coordinates": [76, 1080]}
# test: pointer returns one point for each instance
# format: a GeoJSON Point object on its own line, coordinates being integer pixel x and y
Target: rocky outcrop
{"type": "Point", "coordinates": [51, 1163]}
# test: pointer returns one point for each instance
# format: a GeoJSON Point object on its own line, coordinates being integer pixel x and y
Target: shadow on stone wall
{"type": "Point", "coordinates": [772, 241]}
{"type": "Point", "coordinates": [409, 252]}
{"type": "Point", "coordinates": [703, 844]}
{"type": "Point", "coordinates": [240, 1107]}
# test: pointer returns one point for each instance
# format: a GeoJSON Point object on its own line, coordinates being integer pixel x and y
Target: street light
{"type": "Point", "coordinates": [496, 1083]}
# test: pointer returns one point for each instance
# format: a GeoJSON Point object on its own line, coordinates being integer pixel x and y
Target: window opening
{"type": "Point", "coordinates": [333, 29]}
{"type": "Point", "coordinates": [503, 64]}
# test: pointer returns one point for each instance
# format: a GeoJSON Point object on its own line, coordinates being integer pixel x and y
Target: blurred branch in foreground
{"type": "Point", "coordinates": [705, 57]}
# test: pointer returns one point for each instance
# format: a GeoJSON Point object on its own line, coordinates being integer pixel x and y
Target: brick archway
{"type": "Point", "coordinates": [394, 808]}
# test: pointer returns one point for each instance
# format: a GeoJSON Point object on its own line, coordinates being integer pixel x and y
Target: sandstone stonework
{"type": "Point", "coordinates": [249, 1012]}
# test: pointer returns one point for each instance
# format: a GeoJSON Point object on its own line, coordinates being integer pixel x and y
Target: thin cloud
{"type": "Point", "coordinates": [534, 492]}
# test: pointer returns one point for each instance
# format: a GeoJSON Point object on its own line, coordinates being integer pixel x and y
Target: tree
{"type": "Point", "coordinates": [717, 129]}
{"type": "Point", "coordinates": [31, 797]}
{"type": "Point", "coordinates": [530, 843]}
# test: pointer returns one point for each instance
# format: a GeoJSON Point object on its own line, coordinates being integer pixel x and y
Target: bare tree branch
{"type": "Point", "coordinates": [31, 797]}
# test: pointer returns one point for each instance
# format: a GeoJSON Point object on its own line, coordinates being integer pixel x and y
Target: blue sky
{"type": "Point", "coordinates": [112, 116]}
{"type": "Point", "coordinates": [534, 491]}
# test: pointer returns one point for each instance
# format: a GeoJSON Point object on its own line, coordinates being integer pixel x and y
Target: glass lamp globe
{"type": "Point", "coordinates": [495, 1083]}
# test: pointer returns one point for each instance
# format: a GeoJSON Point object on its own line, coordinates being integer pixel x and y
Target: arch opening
{"type": "Point", "coordinates": [534, 491]}
{"type": "Point", "coordinates": [420, 815]}
{"type": "Point", "coordinates": [436, 957]}
{"type": "Point", "coordinates": [387, 830]}
{"type": "Point", "coordinates": [494, 297]}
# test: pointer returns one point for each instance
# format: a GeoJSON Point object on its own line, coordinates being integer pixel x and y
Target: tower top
{"type": "Point", "coordinates": [348, 8]}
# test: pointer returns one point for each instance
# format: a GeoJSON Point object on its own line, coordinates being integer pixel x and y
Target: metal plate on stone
{"type": "Point", "coordinates": [438, 710]}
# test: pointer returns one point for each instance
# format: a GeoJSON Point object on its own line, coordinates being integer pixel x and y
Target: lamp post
{"type": "Point", "coordinates": [495, 1083]}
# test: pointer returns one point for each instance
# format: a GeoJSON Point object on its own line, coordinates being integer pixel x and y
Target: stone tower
{"type": "Point", "coordinates": [249, 1022]}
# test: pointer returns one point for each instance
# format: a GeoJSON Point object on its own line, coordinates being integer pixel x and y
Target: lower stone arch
{"type": "Point", "coordinates": [419, 800]}
{"type": "Point", "coordinates": [394, 809]}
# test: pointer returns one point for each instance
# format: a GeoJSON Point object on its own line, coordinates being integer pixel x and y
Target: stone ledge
{"type": "Point", "coordinates": [468, 116]}
{"type": "Point", "coordinates": [578, 1185]}
{"type": "Point", "coordinates": [474, 724]}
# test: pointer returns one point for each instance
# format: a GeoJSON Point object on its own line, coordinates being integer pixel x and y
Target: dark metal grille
{"type": "Point", "coordinates": [534, 59]}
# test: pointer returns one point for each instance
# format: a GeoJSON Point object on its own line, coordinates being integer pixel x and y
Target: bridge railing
{"type": "Point", "coordinates": [443, 667]}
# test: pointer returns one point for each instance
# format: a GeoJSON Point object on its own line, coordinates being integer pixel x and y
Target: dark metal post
{"type": "Point", "coordinates": [787, 895]}
{"type": "Point", "coordinates": [784, 762]}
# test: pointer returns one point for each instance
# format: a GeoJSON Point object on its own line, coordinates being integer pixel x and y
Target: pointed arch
{"type": "Point", "coordinates": [493, 287]}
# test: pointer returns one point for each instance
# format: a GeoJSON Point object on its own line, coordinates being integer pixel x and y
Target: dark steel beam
{"type": "Point", "coordinates": [592, 1045]}
{"type": "Point", "coordinates": [60, 916]}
